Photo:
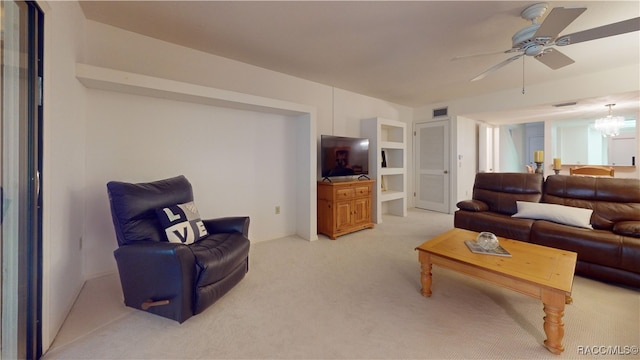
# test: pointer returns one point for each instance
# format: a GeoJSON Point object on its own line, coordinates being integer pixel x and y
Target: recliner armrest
{"type": "Point", "coordinates": [228, 224]}
{"type": "Point", "coordinates": [472, 205]}
{"type": "Point", "coordinates": [155, 271]}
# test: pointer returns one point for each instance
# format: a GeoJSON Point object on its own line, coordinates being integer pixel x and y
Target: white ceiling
{"type": "Point", "coordinates": [399, 51]}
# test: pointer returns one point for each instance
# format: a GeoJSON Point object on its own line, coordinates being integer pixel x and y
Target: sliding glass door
{"type": "Point", "coordinates": [20, 164]}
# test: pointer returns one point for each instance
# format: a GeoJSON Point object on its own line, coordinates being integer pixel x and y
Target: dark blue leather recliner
{"type": "Point", "coordinates": [173, 280]}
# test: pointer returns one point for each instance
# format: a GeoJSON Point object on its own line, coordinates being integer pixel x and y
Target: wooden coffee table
{"type": "Point", "coordinates": [538, 271]}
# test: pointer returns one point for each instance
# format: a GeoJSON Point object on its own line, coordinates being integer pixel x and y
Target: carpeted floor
{"type": "Point", "coordinates": [353, 298]}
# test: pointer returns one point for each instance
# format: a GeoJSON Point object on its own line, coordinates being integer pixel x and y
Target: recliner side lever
{"type": "Point", "coordinates": [150, 303]}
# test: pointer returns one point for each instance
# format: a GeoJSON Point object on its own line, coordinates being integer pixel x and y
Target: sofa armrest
{"type": "Point", "coordinates": [627, 228]}
{"type": "Point", "coordinates": [472, 205]}
{"type": "Point", "coordinates": [228, 224]}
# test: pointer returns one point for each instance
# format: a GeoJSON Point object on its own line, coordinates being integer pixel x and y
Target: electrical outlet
{"type": "Point", "coordinates": [277, 209]}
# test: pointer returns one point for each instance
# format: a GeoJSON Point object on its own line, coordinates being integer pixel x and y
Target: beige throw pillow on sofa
{"type": "Point", "coordinates": [567, 215]}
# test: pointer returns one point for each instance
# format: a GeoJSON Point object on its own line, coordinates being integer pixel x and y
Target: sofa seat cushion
{"type": "Point", "coordinates": [499, 224]}
{"type": "Point", "coordinates": [218, 255]}
{"type": "Point", "coordinates": [593, 246]}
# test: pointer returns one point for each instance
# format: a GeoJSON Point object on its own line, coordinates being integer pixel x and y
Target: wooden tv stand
{"type": "Point", "coordinates": [344, 207]}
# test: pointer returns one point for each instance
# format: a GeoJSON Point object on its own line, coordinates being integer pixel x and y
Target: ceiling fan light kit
{"type": "Point", "coordinates": [538, 39]}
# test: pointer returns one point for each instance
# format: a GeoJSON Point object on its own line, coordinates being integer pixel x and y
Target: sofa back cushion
{"type": "Point", "coordinates": [500, 191]}
{"type": "Point", "coordinates": [612, 200]}
{"type": "Point", "coordinates": [133, 207]}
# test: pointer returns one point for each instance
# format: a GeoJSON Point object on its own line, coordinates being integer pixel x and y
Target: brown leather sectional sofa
{"type": "Point", "coordinates": [609, 251]}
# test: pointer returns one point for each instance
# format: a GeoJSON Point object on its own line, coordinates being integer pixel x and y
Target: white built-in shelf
{"type": "Point", "coordinates": [391, 145]}
{"type": "Point", "coordinates": [391, 195]}
{"type": "Point", "coordinates": [389, 136]}
{"type": "Point", "coordinates": [391, 171]}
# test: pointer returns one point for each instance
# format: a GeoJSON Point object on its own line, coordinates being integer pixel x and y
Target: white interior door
{"type": "Point", "coordinates": [432, 165]}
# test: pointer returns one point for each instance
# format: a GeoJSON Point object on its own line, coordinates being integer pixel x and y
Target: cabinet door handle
{"type": "Point", "coordinates": [446, 171]}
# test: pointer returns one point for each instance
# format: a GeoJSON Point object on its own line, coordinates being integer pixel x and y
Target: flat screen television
{"type": "Point", "coordinates": [343, 156]}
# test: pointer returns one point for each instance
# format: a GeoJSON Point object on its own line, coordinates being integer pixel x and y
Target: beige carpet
{"type": "Point", "coordinates": [353, 298]}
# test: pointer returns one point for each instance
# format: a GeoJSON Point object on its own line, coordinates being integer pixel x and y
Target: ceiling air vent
{"type": "Point", "coordinates": [565, 104]}
{"type": "Point", "coordinates": [440, 112]}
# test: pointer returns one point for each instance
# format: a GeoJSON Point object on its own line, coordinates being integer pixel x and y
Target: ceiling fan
{"type": "Point", "coordinates": [538, 39]}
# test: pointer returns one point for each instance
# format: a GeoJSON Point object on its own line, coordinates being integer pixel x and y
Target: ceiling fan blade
{"type": "Point", "coordinates": [496, 67]}
{"type": "Point", "coordinates": [613, 29]}
{"type": "Point", "coordinates": [557, 20]}
{"type": "Point", "coordinates": [554, 59]}
{"type": "Point", "coordinates": [461, 57]}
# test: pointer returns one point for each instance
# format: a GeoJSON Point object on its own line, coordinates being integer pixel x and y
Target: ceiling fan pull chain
{"type": "Point", "coordinates": [523, 75]}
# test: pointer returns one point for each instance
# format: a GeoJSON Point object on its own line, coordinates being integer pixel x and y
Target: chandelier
{"type": "Point", "coordinates": [610, 125]}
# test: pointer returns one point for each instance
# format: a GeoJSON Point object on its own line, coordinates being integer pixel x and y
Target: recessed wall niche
{"type": "Point", "coordinates": [305, 125]}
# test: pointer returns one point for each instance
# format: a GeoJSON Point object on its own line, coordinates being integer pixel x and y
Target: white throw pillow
{"type": "Point", "coordinates": [567, 215]}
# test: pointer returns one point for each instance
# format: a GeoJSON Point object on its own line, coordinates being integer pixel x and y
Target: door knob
{"type": "Point", "coordinates": [446, 171]}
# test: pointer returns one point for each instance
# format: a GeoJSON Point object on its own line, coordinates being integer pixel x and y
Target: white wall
{"type": "Point", "coordinates": [118, 49]}
{"type": "Point", "coordinates": [236, 160]}
{"type": "Point", "coordinates": [63, 165]}
{"type": "Point", "coordinates": [512, 148]}
{"type": "Point", "coordinates": [576, 150]}
{"type": "Point", "coordinates": [466, 157]}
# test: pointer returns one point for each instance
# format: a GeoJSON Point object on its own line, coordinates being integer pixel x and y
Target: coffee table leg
{"type": "Point", "coordinates": [553, 326]}
{"type": "Point", "coordinates": [425, 276]}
